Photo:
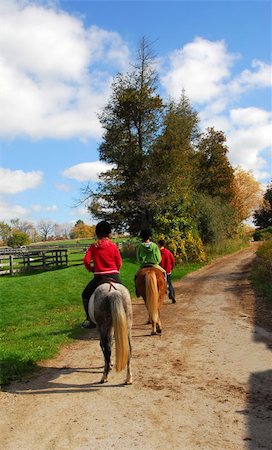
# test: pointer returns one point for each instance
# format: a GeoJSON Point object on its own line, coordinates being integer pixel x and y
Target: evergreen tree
{"type": "Point", "coordinates": [215, 174]}
{"type": "Point", "coordinates": [173, 153]}
{"type": "Point", "coordinates": [132, 120]}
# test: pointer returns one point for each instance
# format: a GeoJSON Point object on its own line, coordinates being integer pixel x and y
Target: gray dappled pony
{"type": "Point", "coordinates": [111, 309]}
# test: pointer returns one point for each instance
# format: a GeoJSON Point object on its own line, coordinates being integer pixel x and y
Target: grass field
{"type": "Point", "coordinates": [42, 311]}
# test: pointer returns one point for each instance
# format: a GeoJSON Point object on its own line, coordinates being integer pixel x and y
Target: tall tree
{"type": "Point", "coordinates": [173, 153]}
{"type": "Point", "coordinates": [132, 120]}
{"type": "Point", "coordinates": [173, 161]}
{"type": "Point", "coordinates": [215, 174]}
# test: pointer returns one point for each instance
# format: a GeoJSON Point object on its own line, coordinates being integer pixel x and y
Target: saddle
{"type": "Point", "coordinates": [107, 279]}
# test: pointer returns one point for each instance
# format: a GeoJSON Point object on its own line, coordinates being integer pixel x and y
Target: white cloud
{"type": "Point", "coordinates": [9, 211]}
{"type": "Point", "coordinates": [51, 208]}
{"type": "Point", "coordinates": [259, 77]}
{"type": "Point", "coordinates": [204, 69]}
{"type": "Point", "coordinates": [201, 68]}
{"type": "Point", "coordinates": [88, 171]}
{"type": "Point", "coordinates": [53, 58]}
{"type": "Point", "coordinates": [249, 135]}
{"type": "Point", "coordinates": [249, 138]}
{"type": "Point", "coordinates": [63, 187]}
{"type": "Point", "coordinates": [39, 208]}
{"type": "Point", "coordinates": [14, 181]}
{"type": "Point", "coordinates": [251, 117]}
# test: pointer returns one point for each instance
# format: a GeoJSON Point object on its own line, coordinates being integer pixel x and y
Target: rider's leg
{"type": "Point", "coordinates": [86, 295]}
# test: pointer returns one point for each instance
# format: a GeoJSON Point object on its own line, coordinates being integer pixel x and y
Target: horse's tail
{"type": "Point", "coordinates": [120, 326]}
{"type": "Point", "coordinates": [152, 295]}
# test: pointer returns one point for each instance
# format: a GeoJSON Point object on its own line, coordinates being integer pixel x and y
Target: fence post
{"type": "Point", "coordinates": [43, 260]}
{"type": "Point", "coordinates": [11, 264]}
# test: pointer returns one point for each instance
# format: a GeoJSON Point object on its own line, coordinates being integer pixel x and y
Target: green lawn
{"type": "Point", "coordinates": [42, 311]}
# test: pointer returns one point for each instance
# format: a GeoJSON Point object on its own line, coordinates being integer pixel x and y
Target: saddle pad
{"type": "Point", "coordinates": [91, 308]}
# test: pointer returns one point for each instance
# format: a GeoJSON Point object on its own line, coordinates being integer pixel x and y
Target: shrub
{"type": "Point", "coordinates": [185, 246]}
{"type": "Point", "coordinates": [263, 235]}
{"type": "Point", "coordinates": [18, 238]}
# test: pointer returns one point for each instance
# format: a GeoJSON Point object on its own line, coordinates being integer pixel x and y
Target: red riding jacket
{"type": "Point", "coordinates": [168, 260]}
{"type": "Point", "coordinates": [105, 256]}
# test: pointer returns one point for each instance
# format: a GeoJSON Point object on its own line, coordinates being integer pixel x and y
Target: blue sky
{"type": "Point", "coordinates": [57, 60]}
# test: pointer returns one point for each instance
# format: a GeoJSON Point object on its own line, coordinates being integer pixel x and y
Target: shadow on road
{"type": "Point", "coordinates": [259, 411]}
{"type": "Point", "coordinates": [60, 381]}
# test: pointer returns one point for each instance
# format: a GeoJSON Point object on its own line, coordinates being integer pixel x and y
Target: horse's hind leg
{"type": "Point", "coordinates": [105, 344]}
{"type": "Point", "coordinates": [154, 328]}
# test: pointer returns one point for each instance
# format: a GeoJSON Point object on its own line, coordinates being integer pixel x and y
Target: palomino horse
{"type": "Point", "coordinates": [151, 285]}
{"type": "Point", "coordinates": [111, 309]}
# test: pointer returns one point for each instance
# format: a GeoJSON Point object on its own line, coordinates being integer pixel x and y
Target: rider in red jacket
{"type": "Point", "coordinates": [104, 260]}
{"type": "Point", "coordinates": [168, 263]}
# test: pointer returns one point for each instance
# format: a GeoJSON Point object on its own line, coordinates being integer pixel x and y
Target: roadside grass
{"type": "Point", "coordinates": [42, 311]}
{"type": "Point", "coordinates": [261, 273]}
{"type": "Point", "coordinates": [226, 247]}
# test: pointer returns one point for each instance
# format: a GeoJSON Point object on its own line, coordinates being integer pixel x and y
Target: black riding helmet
{"type": "Point", "coordinates": [103, 229]}
{"type": "Point", "coordinates": [145, 234]}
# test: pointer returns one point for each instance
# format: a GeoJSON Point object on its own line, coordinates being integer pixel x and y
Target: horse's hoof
{"type": "Point", "coordinates": [153, 333]}
{"type": "Point", "coordinates": [102, 381]}
{"type": "Point", "coordinates": [128, 382]}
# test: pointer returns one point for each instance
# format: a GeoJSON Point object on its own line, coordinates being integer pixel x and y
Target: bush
{"type": "Point", "coordinates": [186, 246]}
{"type": "Point", "coordinates": [18, 238]}
{"type": "Point", "coordinates": [263, 235]}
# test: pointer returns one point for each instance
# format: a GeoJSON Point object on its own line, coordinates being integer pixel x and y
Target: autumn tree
{"type": "Point", "coordinates": [81, 230]}
{"type": "Point", "coordinates": [18, 238]}
{"type": "Point", "coordinates": [247, 194]}
{"type": "Point", "coordinates": [25, 226]}
{"type": "Point", "coordinates": [5, 232]}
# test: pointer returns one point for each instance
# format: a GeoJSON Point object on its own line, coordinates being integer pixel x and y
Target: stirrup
{"type": "Point", "coordinates": [88, 324]}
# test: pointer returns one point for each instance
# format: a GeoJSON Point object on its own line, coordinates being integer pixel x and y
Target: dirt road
{"type": "Point", "coordinates": [204, 384]}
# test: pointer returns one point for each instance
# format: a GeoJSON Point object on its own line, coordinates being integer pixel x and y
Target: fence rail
{"type": "Point", "coordinates": [31, 260]}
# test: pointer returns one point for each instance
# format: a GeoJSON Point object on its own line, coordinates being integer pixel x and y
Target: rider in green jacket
{"type": "Point", "coordinates": [148, 254]}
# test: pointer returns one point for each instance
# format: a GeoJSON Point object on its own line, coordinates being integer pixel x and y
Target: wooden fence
{"type": "Point", "coordinates": [31, 260]}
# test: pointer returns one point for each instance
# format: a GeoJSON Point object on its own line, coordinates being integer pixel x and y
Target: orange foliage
{"type": "Point", "coordinates": [247, 193]}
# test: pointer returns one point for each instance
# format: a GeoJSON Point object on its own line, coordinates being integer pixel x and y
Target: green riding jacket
{"type": "Point", "coordinates": [148, 253]}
